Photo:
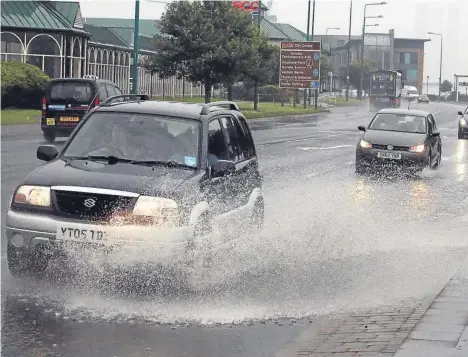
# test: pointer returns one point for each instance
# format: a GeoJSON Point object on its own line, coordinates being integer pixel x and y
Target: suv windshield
{"type": "Point", "coordinates": [80, 92]}
{"type": "Point", "coordinates": [137, 137]}
{"type": "Point", "coordinates": [399, 122]}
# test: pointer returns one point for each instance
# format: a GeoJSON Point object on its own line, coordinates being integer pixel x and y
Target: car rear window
{"type": "Point", "coordinates": [71, 91]}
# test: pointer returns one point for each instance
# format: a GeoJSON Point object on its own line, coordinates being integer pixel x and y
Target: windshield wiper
{"type": "Point", "coordinates": [111, 159]}
{"type": "Point", "coordinates": [161, 163]}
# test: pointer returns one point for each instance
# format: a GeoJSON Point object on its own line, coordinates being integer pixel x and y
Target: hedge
{"type": "Point", "coordinates": [22, 85]}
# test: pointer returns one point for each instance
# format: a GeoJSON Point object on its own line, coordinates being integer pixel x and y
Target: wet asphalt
{"type": "Point", "coordinates": [333, 242]}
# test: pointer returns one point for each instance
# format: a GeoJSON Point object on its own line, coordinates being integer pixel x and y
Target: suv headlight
{"type": "Point", "coordinates": [462, 122]}
{"type": "Point", "coordinates": [33, 195]}
{"type": "Point", "coordinates": [163, 210]}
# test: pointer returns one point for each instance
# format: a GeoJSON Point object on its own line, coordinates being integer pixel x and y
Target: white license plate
{"type": "Point", "coordinates": [83, 233]}
{"type": "Point", "coordinates": [389, 155]}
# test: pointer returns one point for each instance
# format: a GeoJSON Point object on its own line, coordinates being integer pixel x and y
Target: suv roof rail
{"type": "Point", "coordinates": [139, 97]}
{"type": "Point", "coordinates": [206, 107]}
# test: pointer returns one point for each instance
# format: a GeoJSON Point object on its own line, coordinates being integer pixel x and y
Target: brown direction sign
{"type": "Point", "coordinates": [300, 64]}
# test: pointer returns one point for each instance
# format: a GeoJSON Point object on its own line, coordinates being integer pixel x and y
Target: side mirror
{"type": "Point", "coordinates": [361, 128]}
{"type": "Point", "coordinates": [435, 133]}
{"type": "Point", "coordinates": [460, 113]}
{"type": "Point", "coordinates": [222, 168]}
{"type": "Point", "coordinates": [47, 152]}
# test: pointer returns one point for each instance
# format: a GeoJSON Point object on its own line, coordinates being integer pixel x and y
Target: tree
{"type": "Point", "coordinates": [207, 42]}
{"type": "Point", "coordinates": [355, 74]}
{"type": "Point", "coordinates": [263, 58]}
{"type": "Point", "coordinates": [324, 67]}
{"type": "Point", "coordinates": [446, 86]}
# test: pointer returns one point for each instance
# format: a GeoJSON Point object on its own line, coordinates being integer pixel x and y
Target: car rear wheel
{"type": "Point", "coordinates": [439, 159]}
{"type": "Point", "coordinates": [49, 136]}
{"type": "Point", "coordinates": [460, 135]}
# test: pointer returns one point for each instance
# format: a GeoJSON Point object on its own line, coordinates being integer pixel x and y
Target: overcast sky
{"type": "Point", "coordinates": [409, 18]}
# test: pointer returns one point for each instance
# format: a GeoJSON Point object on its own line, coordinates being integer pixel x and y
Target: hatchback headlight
{"type": "Point", "coordinates": [417, 148]}
{"type": "Point", "coordinates": [365, 144]}
{"type": "Point", "coordinates": [462, 122]}
{"type": "Point", "coordinates": [33, 195]}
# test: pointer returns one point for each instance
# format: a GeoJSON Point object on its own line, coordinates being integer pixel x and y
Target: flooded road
{"type": "Point", "coordinates": [333, 243]}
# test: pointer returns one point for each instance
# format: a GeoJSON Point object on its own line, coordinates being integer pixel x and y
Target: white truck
{"type": "Point", "coordinates": [410, 93]}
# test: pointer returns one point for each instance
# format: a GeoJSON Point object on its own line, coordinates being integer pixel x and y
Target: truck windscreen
{"type": "Point", "coordinates": [382, 84]}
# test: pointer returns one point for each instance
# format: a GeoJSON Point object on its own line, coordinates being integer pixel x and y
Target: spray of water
{"type": "Point", "coordinates": [321, 237]}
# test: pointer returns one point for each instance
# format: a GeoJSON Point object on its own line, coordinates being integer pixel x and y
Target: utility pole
{"type": "Point", "coordinates": [427, 85]}
{"type": "Point", "coordinates": [313, 25]}
{"type": "Point", "coordinates": [259, 23]}
{"type": "Point", "coordinates": [307, 91]}
{"type": "Point", "coordinates": [136, 47]}
{"type": "Point", "coordinates": [349, 49]}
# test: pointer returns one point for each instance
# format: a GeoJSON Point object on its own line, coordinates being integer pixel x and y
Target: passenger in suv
{"type": "Point", "coordinates": [156, 175]}
{"type": "Point", "coordinates": [66, 101]}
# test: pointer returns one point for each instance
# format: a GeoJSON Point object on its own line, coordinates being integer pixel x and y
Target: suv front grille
{"type": "Point", "coordinates": [395, 148]}
{"type": "Point", "coordinates": [91, 206]}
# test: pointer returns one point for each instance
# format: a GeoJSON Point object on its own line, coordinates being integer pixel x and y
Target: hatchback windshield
{"type": "Point", "coordinates": [138, 137]}
{"type": "Point", "coordinates": [399, 122]}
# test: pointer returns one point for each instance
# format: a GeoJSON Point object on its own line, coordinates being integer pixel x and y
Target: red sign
{"type": "Point", "coordinates": [246, 5]}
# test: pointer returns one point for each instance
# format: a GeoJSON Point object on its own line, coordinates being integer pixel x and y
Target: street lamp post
{"type": "Point", "coordinates": [348, 50]}
{"type": "Point", "coordinates": [427, 85]}
{"type": "Point", "coordinates": [307, 91]}
{"type": "Point", "coordinates": [362, 39]}
{"type": "Point", "coordinates": [331, 57]}
{"type": "Point", "coordinates": [441, 52]}
{"type": "Point", "coordinates": [136, 47]}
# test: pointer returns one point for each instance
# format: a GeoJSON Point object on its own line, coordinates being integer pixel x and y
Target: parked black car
{"type": "Point", "coordinates": [399, 138]}
{"type": "Point", "coordinates": [177, 171]}
{"type": "Point", "coordinates": [67, 100]}
{"type": "Point", "coordinates": [463, 124]}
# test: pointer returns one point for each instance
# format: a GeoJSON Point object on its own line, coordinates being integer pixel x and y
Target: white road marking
{"type": "Point", "coordinates": [350, 163]}
{"type": "Point", "coordinates": [307, 148]}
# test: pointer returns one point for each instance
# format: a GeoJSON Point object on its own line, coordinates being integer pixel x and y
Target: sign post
{"type": "Point", "coordinates": [300, 65]}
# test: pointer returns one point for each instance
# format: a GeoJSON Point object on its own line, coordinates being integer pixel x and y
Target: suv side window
{"type": "Point", "coordinates": [216, 143]}
{"type": "Point", "coordinates": [242, 141]}
{"type": "Point", "coordinates": [102, 92]}
{"type": "Point", "coordinates": [250, 148]}
{"type": "Point", "coordinates": [230, 138]}
{"type": "Point", "coordinates": [110, 90]}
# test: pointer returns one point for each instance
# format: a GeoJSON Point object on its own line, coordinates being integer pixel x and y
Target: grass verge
{"type": "Point", "coordinates": [20, 116]}
{"type": "Point", "coordinates": [265, 110]}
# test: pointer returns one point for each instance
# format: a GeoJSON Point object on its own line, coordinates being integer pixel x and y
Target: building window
{"type": "Point", "coordinates": [412, 75]}
{"type": "Point", "coordinates": [408, 58]}
{"type": "Point", "coordinates": [340, 43]}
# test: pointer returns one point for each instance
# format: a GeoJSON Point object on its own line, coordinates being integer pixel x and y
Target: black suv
{"type": "Point", "coordinates": [159, 174]}
{"type": "Point", "coordinates": [67, 100]}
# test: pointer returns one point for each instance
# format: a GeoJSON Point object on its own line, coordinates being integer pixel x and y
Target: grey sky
{"type": "Point", "coordinates": [409, 18]}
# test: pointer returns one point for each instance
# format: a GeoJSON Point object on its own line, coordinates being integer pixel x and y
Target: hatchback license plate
{"type": "Point", "coordinates": [388, 155]}
{"type": "Point", "coordinates": [82, 233]}
{"type": "Point", "coordinates": [73, 119]}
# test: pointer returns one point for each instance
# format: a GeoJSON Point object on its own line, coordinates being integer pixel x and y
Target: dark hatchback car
{"type": "Point", "coordinates": [67, 100]}
{"type": "Point", "coordinates": [161, 175]}
{"type": "Point", "coordinates": [463, 124]}
{"type": "Point", "coordinates": [399, 138]}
